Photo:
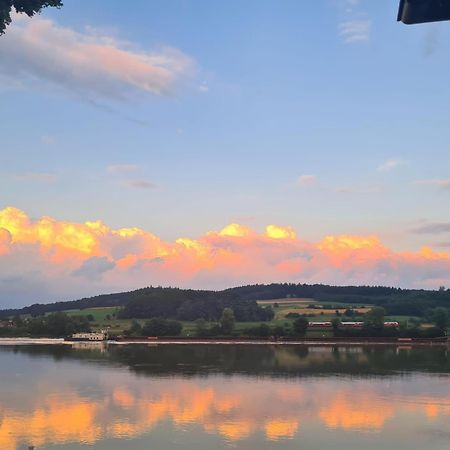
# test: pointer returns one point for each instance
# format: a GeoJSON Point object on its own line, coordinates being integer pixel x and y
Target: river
{"type": "Point", "coordinates": [204, 397]}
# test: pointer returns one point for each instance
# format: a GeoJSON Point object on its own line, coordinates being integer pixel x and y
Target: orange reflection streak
{"type": "Point", "coordinates": [276, 411]}
{"type": "Point", "coordinates": [59, 421]}
{"type": "Point", "coordinates": [361, 412]}
{"type": "Point", "coordinates": [123, 397]}
{"type": "Point", "coordinates": [232, 430]}
{"type": "Point", "coordinates": [278, 429]}
{"type": "Point", "coordinates": [432, 411]}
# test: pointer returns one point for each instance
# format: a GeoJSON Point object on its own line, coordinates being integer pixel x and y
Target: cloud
{"type": "Point", "coordinates": [123, 168]}
{"type": "Point", "coordinates": [443, 184]}
{"type": "Point", "coordinates": [140, 184]}
{"type": "Point", "coordinates": [433, 228]}
{"type": "Point", "coordinates": [306, 180]}
{"type": "Point", "coordinates": [203, 87]}
{"type": "Point", "coordinates": [41, 177]}
{"type": "Point", "coordinates": [69, 260]}
{"type": "Point", "coordinates": [277, 232]}
{"type": "Point", "coordinates": [93, 268]}
{"type": "Point", "coordinates": [442, 244]}
{"type": "Point", "coordinates": [87, 63]}
{"type": "Point", "coordinates": [390, 164]}
{"type": "Point", "coordinates": [5, 241]}
{"type": "Point", "coordinates": [357, 30]}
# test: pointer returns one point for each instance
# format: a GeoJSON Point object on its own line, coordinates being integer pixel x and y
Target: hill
{"type": "Point", "coordinates": [190, 304]}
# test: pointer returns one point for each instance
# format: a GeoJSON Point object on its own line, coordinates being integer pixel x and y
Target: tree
{"type": "Point", "coordinates": [29, 7]}
{"type": "Point", "coordinates": [262, 330]}
{"type": "Point", "coordinates": [201, 327]}
{"type": "Point", "coordinates": [349, 312]}
{"type": "Point", "coordinates": [267, 314]}
{"type": "Point", "coordinates": [18, 321]}
{"type": "Point", "coordinates": [441, 318]}
{"type": "Point", "coordinates": [134, 330]}
{"type": "Point", "coordinates": [335, 323]}
{"type": "Point", "coordinates": [227, 321]}
{"type": "Point", "coordinates": [374, 318]}
{"type": "Point", "coordinates": [57, 325]}
{"type": "Point", "coordinates": [300, 326]}
{"type": "Point", "coordinates": [278, 331]}
{"type": "Point", "coordinates": [162, 327]}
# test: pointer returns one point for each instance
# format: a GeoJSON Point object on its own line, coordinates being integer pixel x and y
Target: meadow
{"type": "Point", "coordinates": [106, 317]}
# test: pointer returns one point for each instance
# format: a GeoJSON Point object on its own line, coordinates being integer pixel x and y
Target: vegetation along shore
{"type": "Point", "coordinates": [275, 311]}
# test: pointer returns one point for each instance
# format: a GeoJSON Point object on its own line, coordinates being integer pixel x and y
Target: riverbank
{"type": "Point", "coordinates": [397, 342]}
{"type": "Point", "coordinates": [31, 341]}
{"type": "Point", "coordinates": [325, 341]}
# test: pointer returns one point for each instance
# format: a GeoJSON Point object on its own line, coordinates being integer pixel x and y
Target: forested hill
{"type": "Point", "coordinates": [185, 303]}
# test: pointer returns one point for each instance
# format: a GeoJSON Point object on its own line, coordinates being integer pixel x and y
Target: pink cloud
{"type": "Point", "coordinates": [60, 254]}
{"type": "Point", "coordinates": [87, 63]}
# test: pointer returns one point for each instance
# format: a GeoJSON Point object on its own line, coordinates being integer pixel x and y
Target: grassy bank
{"type": "Point", "coordinates": [106, 317]}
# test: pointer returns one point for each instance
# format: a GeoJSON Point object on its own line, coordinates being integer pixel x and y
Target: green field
{"type": "Point", "coordinates": [106, 318]}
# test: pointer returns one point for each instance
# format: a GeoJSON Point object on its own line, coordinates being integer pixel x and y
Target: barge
{"type": "Point", "coordinates": [98, 336]}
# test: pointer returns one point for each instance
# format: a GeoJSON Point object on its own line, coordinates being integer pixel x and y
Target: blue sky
{"type": "Point", "coordinates": [287, 94]}
{"type": "Point", "coordinates": [327, 116]}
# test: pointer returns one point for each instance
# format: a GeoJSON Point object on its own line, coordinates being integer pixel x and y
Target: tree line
{"type": "Point", "coordinates": [189, 304]}
{"type": "Point", "coordinates": [55, 325]}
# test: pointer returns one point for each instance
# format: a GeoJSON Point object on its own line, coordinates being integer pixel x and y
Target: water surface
{"type": "Point", "coordinates": [204, 397]}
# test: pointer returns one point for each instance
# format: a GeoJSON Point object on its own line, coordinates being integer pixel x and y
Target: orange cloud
{"type": "Point", "coordinates": [276, 232]}
{"type": "Point", "coordinates": [129, 257]}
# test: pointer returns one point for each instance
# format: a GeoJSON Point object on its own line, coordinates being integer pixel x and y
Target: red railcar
{"type": "Point", "coordinates": [349, 325]}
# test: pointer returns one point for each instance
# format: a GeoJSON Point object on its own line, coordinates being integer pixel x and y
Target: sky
{"type": "Point", "coordinates": [211, 144]}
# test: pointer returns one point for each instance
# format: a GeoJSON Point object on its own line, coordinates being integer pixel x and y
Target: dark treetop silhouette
{"type": "Point", "coordinates": [29, 7]}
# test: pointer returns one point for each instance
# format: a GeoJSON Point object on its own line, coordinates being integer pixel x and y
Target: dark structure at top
{"type": "Point", "coordinates": [423, 11]}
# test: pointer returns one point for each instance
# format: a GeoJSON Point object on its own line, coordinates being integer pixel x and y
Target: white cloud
{"type": "Point", "coordinates": [87, 63]}
{"type": "Point", "coordinates": [390, 164]}
{"type": "Point", "coordinates": [306, 180]}
{"type": "Point", "coordinates": [357, 30]}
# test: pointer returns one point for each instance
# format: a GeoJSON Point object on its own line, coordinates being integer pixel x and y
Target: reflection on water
{"type": "Point", "coordinates": [246, 397]}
